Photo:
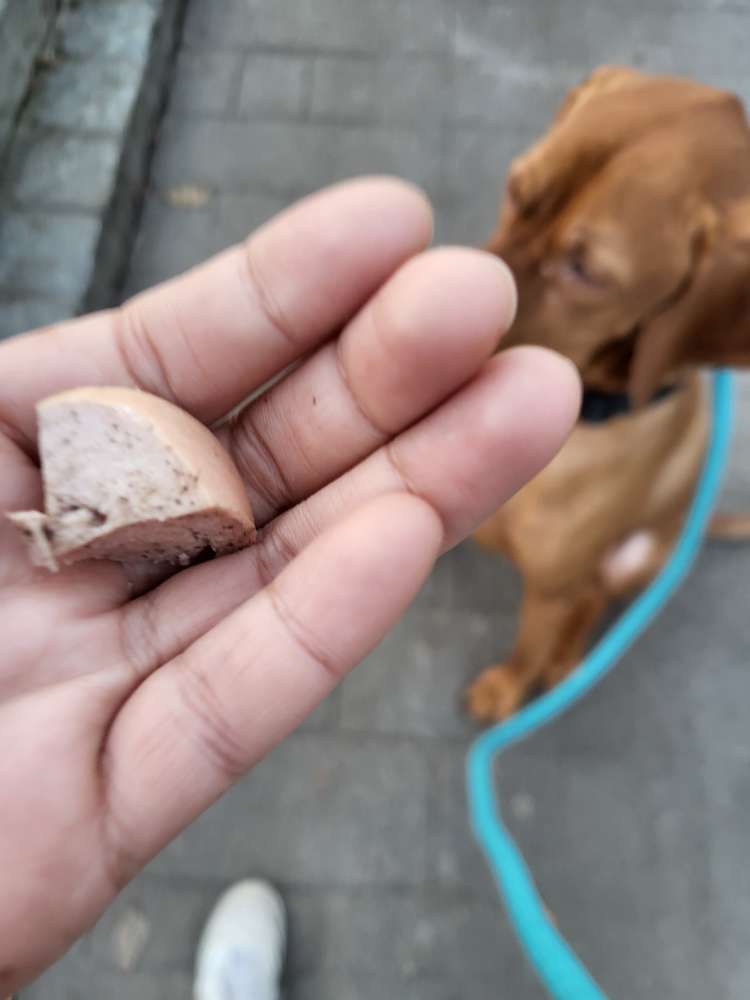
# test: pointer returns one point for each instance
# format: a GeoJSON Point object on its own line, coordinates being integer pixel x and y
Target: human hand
{"type": "Point", "coordinates": [126, 711]}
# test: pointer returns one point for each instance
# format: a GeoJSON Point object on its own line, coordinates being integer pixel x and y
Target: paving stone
{"type": "Point", "coordinates": [173, 239]}
{"type": "Point", "coordinates": [325, 717]}
{"type": "Point", "coordinates": [287, 160]}
{"type": "Point", "coordinates": [454, 862]}
{"type": "Point", "coordinates": [411, 937]}
{"type": "Point", "coordinates": [92, 95]}
{"type": "Point", "coordinates": [320, 810]}
{"type": "Point", "coordinates": [74, 171]}
{"type": "Point", "coordinates": [174, 915]}
{"type": "Point", "coordinates": [704, 44]}
{"type": "Point", "coordinates": [629, 930]}
{"type": "Point", "coordinates": [597, 865]}
{"type": "Point", "coordinates": [468, 944]}
{"type": "Point", "coordinates": [395, 89]}
{"type": "Point", "coordinates": [335, 936]}
{"type": "Point", "coordinates": [61, 984]}
{"type": "Point", "coordinates": [716, 643]}
{"type": "Point", "coordinates": [46, 254]}
{"type": "Point", "coordinates": [627, 813]}
{"type": "Point", "coordinates": [347, 986]}
{"type": "Point", "coordinates": [24, 27]}
{"type": "Point", "coordinates": [19, 315]}
{"type": "Point", "coordinates": [410, 25]}
{"type": "Point", "coordinates": [275, 85]}
{"type": "Point", "coordinates": [205, 80]}
{"type": "Point", "coordinates": [81, 145]}
{"type": "Point", "coordinates": [134, 139]}
{"type": "Point", "coordinates": [226, 155]}
{"type": "Point", "coordinates": [7, 120]}
{"type": "Point", "coordinates": [567, 39]}
{"type": "Point", "coordinates": [410, 153]}
{"type": "Point", "coordinates": [737, 483]}
{"type": "Point", "coordinates": [414, 682]}
{"type": "Point", "coordinates": [111, 30]}
{"type": "Point", "coordinates": [487, 92]}
{"type": "Point", "coordinates": [170, 241]}
{"type": "Point", "coordinates": [68, 979]}
{"type": "Point", "coordinates": [344, 87]}
{"type": "Point", "coordinates": [473, 167]}
{"type": "Point", "coordinates": [366, 931]}
{"type": "Point", "coordinates": [474, 580]}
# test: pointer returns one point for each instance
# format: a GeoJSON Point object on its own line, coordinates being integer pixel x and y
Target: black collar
{"type": "Point", "coordinates": [598, 406]}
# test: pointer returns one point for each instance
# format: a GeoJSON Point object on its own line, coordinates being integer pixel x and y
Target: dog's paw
{"type": "Point", "coordinates": [497, 693]}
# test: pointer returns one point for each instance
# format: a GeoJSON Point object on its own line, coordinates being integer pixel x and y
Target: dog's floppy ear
{"type": "Point", "coordinates": [661, 339]}
{"type": "Point", "coordinates": [708, 319]}
{"type": "Point", "coordinates": [613, 107]}
{"type": "Point", "coordinates": [526, 182]}
{"type": "Point", "coordinates": [603, 80]}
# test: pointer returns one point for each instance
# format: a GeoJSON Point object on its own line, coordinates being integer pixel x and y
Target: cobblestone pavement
{"type": "Point", "coordinates": [634, 809]}
{"type": "Point", "coordinates": [78, 147]}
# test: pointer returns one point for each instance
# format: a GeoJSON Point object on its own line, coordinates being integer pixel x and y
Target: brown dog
{"type": "Point", "coordinates": [628, 230]}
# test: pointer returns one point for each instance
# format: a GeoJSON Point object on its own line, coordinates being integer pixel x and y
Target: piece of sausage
{"type": "Point", "coordinates": [128, 476]}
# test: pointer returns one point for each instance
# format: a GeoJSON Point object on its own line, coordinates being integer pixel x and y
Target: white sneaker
{"type": "Point", "coordinates": [242, 946]}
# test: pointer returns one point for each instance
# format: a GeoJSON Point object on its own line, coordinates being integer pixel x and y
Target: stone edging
{"type": "Point", "coordinates": [78, 157]}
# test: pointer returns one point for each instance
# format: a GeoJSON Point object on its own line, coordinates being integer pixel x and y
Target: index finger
{"type": "Point", "coordinates": [208, 715]}
{"type": "Point", "coordinates": [208, 339]}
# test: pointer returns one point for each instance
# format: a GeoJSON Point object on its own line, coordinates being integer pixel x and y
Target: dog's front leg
{"type": "Point", "coordinates": [553, 636]}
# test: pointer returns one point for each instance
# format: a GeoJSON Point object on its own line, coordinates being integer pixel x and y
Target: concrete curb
{"type": "Point", "coordinates": [25, 26]}
{"type": "Point", "coordinates": [78, 158]}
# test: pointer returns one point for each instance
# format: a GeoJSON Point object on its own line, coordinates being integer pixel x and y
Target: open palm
{"type": "Point", "coordinates": [129, 704]}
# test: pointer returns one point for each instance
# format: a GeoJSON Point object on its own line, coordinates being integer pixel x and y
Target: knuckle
{"type": "Point", "coordinates": [306, 640]}
{"type": "Point", "coordinates": [209, 727]}
{"type": "Point", "coordinates": [139, 636]}
{"type": "Point", "coordinates": [260, 288]}
{"type": "Point", "coordinates": [274, 551]}
{"type": "Point", "coordinates": [255, 458]}
{"type": "Point", "coordinates": [138, 351]}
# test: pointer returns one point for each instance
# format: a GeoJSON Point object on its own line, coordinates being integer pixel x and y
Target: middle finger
{"type": "Point", "coordinates": [421, 337]}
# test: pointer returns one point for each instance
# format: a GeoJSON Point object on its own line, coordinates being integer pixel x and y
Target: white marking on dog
{"type": "Point", "coordinates": [629, 559]}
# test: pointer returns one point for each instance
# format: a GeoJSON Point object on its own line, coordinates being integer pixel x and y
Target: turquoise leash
{"type": "Point", "coordinates": [554, 961]}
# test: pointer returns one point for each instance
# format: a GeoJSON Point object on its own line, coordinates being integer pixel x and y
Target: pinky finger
{"type": "Point", "coordinates": [202, 720]}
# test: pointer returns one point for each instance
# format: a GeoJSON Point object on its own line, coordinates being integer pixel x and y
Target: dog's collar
{"type": "Point", "coordinates": [599, 406]}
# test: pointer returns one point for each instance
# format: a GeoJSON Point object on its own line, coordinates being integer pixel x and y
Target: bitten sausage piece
{"type": "Point", "coordinates": [128, 476]}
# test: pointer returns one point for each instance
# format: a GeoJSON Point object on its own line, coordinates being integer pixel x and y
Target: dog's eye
{"type": "Point", "coordinates": [576, 265]}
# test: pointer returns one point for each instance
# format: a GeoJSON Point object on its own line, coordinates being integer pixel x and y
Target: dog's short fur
{"type": "Point", "coordinates": [627, 228]}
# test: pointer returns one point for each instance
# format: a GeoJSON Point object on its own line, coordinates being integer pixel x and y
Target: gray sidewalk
{"type": "Point", "coordinates": [634, 810]}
